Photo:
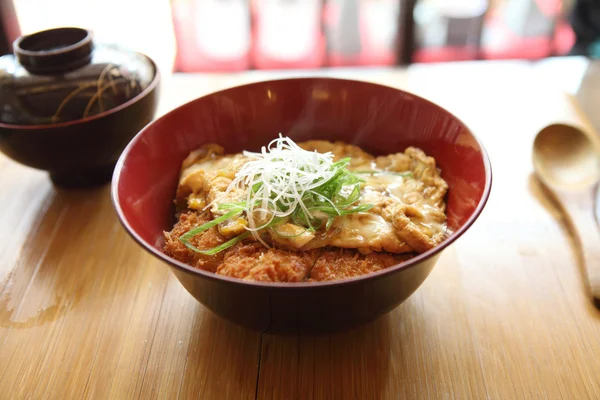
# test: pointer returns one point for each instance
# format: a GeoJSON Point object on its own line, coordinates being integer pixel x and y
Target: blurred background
{"type": "Point", "coordinates": [237, 35]}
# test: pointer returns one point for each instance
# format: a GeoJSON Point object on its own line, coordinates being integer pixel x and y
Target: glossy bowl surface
{"type": "Point", "coordinates": [377, 118]}
{"type": "Point", "coordinates": [82, 152]}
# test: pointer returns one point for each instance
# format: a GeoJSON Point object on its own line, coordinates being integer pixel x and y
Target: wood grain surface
{"type": "Point", "coordinates": [86, 314]}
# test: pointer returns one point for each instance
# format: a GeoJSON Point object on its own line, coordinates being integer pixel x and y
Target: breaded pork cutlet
{"type": "Point", "coordinates": [402, 196]}
{"type": "Point", "coordinates": [250, 260]}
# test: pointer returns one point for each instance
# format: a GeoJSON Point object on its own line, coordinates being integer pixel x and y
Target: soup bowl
{"type": "Point", "coordinates": [379, 119]}
{"type": "Point", "coordinates": [70, 105]}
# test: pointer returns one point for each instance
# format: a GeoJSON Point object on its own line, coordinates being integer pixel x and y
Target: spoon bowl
{"type": "Point", "coordinates": [565, 157]}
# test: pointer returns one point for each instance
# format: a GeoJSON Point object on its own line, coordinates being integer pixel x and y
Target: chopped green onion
{"type": "Point", "coordinates": [204, 227]}
{"type": "Point", "coordinates": [185, 238]}
{"type": "Point", "coordinates": [330, 220]}
{"type": "Point", "coordinates": [221, 247]}
{"type": "Point", "coordinates": [233, 206]}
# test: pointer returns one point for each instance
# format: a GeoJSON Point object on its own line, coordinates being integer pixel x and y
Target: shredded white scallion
{"type": "Point", "coordinates": [284, 173]}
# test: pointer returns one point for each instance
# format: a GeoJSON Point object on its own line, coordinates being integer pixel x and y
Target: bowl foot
{"type": "Point", "coordinates": [82, 178]}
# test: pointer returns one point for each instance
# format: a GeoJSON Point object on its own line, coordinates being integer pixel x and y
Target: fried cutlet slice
{"type": "Point", "coordinates": [246, 260]}
{"type": "Point", "coordinates": [253, 261]}
{"type": "Point", "coordinates": [204, 241]}
{"type": "Point", "coordinates": [334, 264]}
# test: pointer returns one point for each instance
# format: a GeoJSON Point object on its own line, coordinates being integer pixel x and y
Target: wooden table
{"type": "Point", "coordinates": [85, 313]}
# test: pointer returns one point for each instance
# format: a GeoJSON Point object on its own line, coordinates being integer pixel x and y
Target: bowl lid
{"type": "Point", "coordinates": [61, 75]}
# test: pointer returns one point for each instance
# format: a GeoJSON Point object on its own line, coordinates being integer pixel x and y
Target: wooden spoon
{"type": "Point", "coordinates": [567, 162]}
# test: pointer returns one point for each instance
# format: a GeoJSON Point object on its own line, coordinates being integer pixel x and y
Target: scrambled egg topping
{"type": "Point", "coordinates": [405, 190]}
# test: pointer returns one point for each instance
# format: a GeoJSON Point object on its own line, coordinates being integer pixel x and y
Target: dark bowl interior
{"type": "Point", "coordinates": [379, 119]}
{"type": "Point", "coordinates": [83, 152]}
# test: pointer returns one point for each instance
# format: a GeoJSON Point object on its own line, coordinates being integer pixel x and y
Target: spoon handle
{"type": "Point", "coordinates": [581, 209]}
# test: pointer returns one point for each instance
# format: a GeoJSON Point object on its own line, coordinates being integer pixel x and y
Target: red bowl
{"type": "Point", "coordinates": [377, 118]}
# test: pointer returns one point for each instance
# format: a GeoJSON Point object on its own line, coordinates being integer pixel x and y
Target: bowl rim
{"type": "Point", "coordinates": [429, 254]}
{"type": "Point", "coordinates": [151, 86]}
